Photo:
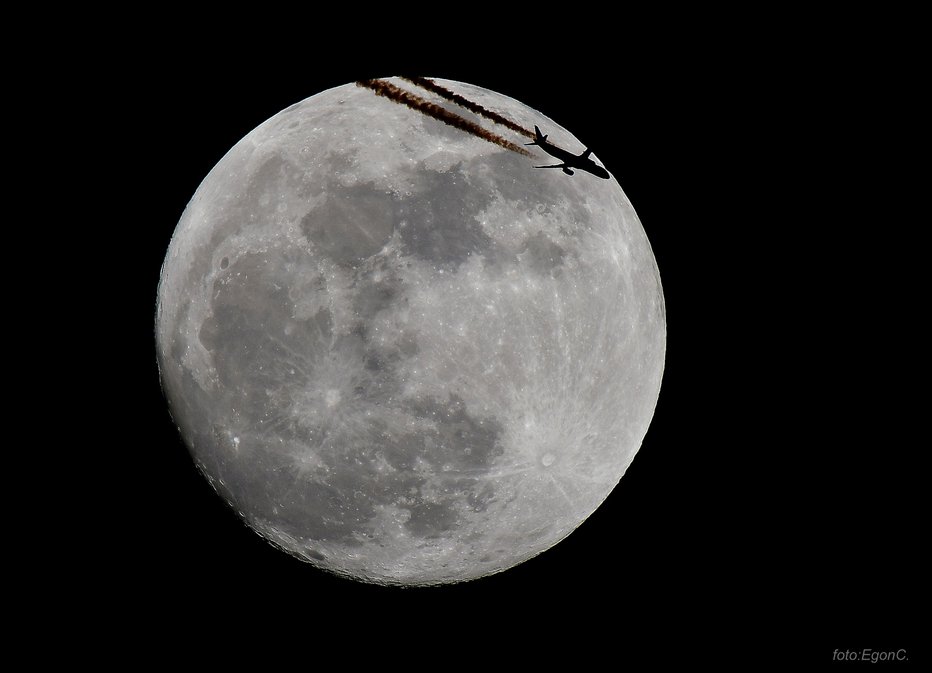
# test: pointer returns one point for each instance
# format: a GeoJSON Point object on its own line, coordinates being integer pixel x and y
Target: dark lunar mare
{"type": "Point", "coordinates": [253, 351]}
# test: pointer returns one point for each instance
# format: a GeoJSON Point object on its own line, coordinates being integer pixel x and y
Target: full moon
{"type": "Point", "coordinates": [400, 352]}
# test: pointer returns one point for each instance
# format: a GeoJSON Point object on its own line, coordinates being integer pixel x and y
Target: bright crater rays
{"type": "Point", "coordinates": [400, 352]}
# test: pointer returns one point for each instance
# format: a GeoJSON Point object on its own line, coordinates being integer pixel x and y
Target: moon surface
{"type": "Point", "coordinates": [400, 352]}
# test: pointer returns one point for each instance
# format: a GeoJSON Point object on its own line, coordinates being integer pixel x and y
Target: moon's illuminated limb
{"type": "Point", "coordinates": [399, 352]}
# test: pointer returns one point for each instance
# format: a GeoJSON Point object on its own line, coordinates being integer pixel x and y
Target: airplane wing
{"type": "Point", "coordinates": [553, 166]}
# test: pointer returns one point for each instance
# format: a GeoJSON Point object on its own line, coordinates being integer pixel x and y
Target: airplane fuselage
{"type": "Point", "coordinates": [561, 154]}
{"type": "Point", "coordinates": [570, 160]}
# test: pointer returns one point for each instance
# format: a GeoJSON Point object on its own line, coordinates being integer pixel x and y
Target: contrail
{"type": "Point", "coordinates": [443, 92]}
{"type": "Point", "coordinates": [392, 92]}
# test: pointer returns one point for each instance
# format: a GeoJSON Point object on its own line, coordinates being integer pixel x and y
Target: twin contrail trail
{"type": "Point", "coordinates": [424, 106]}
{"type": "Point", "coordinates": [453, 97]}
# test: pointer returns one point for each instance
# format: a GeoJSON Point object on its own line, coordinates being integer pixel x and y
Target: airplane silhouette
{"type": "Point", "coordinates": [570, 160]}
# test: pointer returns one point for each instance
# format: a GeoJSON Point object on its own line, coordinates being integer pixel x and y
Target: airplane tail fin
{"type": "Point", "coordinates": [540, 137]}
